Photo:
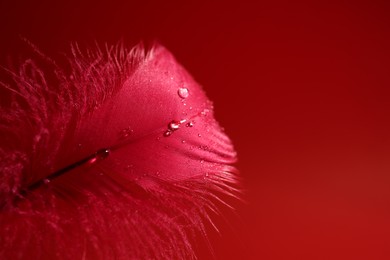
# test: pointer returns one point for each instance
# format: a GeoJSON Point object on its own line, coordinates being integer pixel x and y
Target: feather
{"type": "Point", "coordinates": [113, 155]}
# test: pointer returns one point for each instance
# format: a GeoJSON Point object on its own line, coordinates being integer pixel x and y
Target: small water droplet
{"type": "Point", "coordinates": [99, 155]}
{"type": "Point", "coordinates": [204, 112]}
{"type": "Point", "coordinates": [183, 92]}
{"type": "Point", "coordinates": [190, 124]}
{"type": "Point", "coordinates": [174, 125]}
{"type": "Point", "coordinates": [183, 141]}
{"type": "Point", "coordinates": [167, 133]}
{"type": "Point", "coordinates": [104, 153]}
{"type": "Point", "coordinates": [199, 135]}
{"type": "Point", "coordinates": [201, 161]}
{"type": "Point", "coordinates": [46, 181]}
{"type": "Point", "coordinates": [126, 132]}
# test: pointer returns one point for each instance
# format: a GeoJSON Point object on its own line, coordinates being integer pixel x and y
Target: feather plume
{"type": "Point", "coordinates": [114, 155]}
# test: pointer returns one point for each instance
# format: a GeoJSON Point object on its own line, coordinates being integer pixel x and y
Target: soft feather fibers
{"type": "Point", "coordinates": [168, 168]}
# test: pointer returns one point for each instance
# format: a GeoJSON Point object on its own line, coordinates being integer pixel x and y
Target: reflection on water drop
{"type": "Point", "coordinates": [183, 92]}
{"type": "Point", "coordinates": [199, 135]}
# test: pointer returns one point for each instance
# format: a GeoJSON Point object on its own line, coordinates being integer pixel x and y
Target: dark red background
{"type": "Point", "coordinates": [302, 88]}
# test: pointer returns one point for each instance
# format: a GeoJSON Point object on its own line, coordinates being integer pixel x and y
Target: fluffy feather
{"type": "Point", "coordinates": [168, 166]}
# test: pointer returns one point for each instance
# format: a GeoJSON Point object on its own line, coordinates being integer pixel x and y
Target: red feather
{"type": "Point", "coordinates": [117, 157]}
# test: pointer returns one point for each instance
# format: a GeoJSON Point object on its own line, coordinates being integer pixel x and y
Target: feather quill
{"type": "Point", "coordinates": [115, 155]}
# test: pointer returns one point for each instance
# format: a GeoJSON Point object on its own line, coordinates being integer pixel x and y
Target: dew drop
{"type": "Point", "coordinates": [199, 135]}
{"type": "Point", "coordinates": [190, 124]}
{"type": "Point", "coordinates": [183, 92]}
{"type": "Point", "coordinates": [46, 181]}
{"type": "Point", "coordinates": [104, 153]}
{"type": "Point", "coordinates": [183, 141]}
{"type": "Point", "coordinates": [204, 112]}
{"type": "Point", "coordinates": [126, 132]}
{"type": "Point", "coordinates": [167, 133]}
{"type": "Point", "coordinates": [174, 125]}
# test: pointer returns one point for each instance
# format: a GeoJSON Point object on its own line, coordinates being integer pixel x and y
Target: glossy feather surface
{"type": "Point", "coordinates": [167, 162]}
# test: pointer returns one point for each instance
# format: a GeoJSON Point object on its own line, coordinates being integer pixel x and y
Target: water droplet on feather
{"type": "Point", "coordinates": [183, 92]}
{"type": "Point", "coordinates": [126, 132]}
{"type": "Point", "coordinates": [174, 125]}
{"type": "Point", "coordinates": [167, 133]}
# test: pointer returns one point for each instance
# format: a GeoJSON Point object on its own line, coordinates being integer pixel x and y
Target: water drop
{"type": "Point", "coordinates": [174, 125]}
{"type": "Point", "coordinates": [199, 135]}
{"type": "Point", "coordinates": [183, 92]}
{"type": "Point", "coordinates": [126, 132]}
{"type": "Point", "coordinates": [204, 112]}
{"type": "Point", "coordinates": [183, 141]}
{"type": "Point", "coordinates": [46, 181]}
{"type": "Point", "coordinates": [167, 133]}
{"type": "Point", "coordinates": [190, 124]}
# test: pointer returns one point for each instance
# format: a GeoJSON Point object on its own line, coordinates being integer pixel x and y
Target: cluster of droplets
{"type": "Point", "coordinates": [173, 126]}
{"type": "Point", "coordinates": [125, 133]}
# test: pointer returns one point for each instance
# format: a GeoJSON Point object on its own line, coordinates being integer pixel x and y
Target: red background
{"type": "Point", "coordinates": [302, 88]}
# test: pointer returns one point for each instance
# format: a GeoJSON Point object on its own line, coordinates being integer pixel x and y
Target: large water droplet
{"type": "Point", "coordinates": [183, 92]}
